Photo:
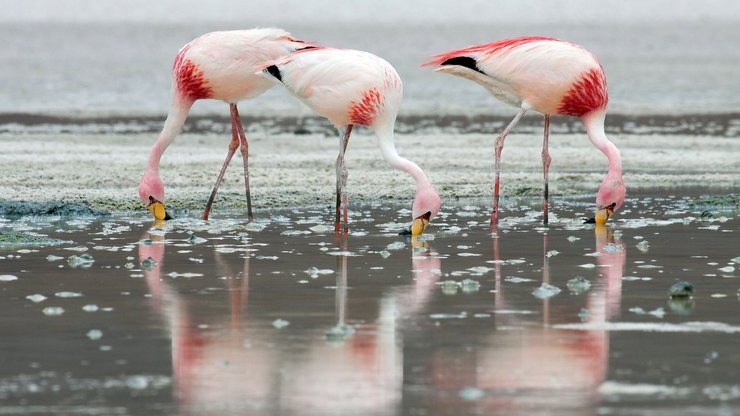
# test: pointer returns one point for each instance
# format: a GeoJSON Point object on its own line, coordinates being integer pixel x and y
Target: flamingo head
{"type": "Point", "coordinates": [426, 205]}
{"type": "Point", "coordinates": [151, 192]}
{"type": "Point", "coordinates": [609, 198]}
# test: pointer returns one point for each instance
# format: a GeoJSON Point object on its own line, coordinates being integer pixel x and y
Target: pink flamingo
{"type": "Point", "coordinates": [552, 77]}
{"type": "Point", "coordinates": [351, 87]}
{"type": "Point", "coordinates": [221, 66]}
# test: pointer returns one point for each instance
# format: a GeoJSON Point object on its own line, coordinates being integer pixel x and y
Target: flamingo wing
{"type": "Point", "coordinates": [549, 75]}
{"type": "Point", "coordinates": [345, 86]}
{"type": "Point", "coordinates": [221, 65]}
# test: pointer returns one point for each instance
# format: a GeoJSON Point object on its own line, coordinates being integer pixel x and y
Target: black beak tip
{"type": "Point", "coordinates": [167, 216]}
{"type": "Point", "coordinates": [591, 220]}
{"type": "Point", "coordinates": [405, 231]}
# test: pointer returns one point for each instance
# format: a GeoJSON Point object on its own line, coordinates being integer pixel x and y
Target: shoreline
{"type": "Point", "coordinates": [101, 171]}
{"type": "Point", "coordinates": [714, 199]}
{"type": "Point", "coordinates": [722, 124]}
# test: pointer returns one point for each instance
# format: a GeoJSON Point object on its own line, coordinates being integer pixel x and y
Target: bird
{"type": "Point", "coordinates": [351, 87]}
{"type": "Point", "coordinates": [552, 77]}
{"type": "Point", "coordinates": [217, 65]}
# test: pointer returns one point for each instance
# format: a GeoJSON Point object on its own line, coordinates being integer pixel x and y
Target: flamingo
{"type": "Point", "coordinates": [349, 88]}
{"type": "Point", "coordinates": [552, 77]}
{"type": "Point", "coordinates": [221, 66]}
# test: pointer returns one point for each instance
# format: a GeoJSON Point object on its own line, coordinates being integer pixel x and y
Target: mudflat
{"type": "Point", "coordinates": [102, 170]}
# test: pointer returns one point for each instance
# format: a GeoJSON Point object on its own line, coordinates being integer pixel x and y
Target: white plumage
{"type": "Point", "coordinates": [351, 87]}
{"type": "Point", "coordinates": [219, 66]}
{"type": "Point", "coordinates": [552, 77]}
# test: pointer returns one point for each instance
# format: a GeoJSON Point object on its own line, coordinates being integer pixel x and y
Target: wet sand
{"type": "Point", "coordinates": [287, 169]}
{"type": "Point", "coordinates": [283, 318]}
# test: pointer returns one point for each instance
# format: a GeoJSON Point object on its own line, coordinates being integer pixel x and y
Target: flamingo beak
{"type": "Point", "coordinates": [156, 208]}
{"type": "Point", "coordinates": [418, 225]}
{"type": "Point", "coordinates": [602, 215]}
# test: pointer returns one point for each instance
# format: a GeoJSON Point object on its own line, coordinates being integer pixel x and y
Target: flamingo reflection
{"type": "Point", "coordinates": [359, 369]}
{"type": "Point", "coordinates": [208, 367]}
{"type": "Point", "coordinates": [229, 359]}
{"type": "Point", "coordinates": [526, 365]}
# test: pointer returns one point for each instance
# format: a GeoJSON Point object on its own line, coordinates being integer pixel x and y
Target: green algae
{"type": "Point", "coordinates": [56, 208]}
{"type": "Point", "coordinates": [728, 201]}
{"type": "Point", "coordinates": [18, 239]}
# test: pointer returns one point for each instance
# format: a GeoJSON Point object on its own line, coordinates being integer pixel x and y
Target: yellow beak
{"type": "Point", "coordinates": [603, 214]}
{"type": "Point", "coordinates": [156, 208]}
{"type": "Point", "coordinates": [420, 224]}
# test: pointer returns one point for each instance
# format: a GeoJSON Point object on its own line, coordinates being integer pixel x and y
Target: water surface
{"type": "Point", "coordinates": [283, 317]}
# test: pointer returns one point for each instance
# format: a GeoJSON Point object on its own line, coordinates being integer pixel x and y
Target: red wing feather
{"type": "Point", "coordinates": [486, 48]}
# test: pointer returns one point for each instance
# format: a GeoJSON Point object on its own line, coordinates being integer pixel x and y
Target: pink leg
{"type": "Point", "coordinates": [232, 149]}
{"type": "Point", "coordinates": [245, 157]}
{"type": "Point", "coordinates": [499, 148]}
{"type": "Point", "coordinates": [342, 182]}
{"type": "Point", "coordinates": [546, 159]}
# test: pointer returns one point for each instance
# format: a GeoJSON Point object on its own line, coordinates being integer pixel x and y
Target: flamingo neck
{"type": "Point", "coordinates": [594, 123]}
{"type": "Point", "coordinates": [388, 150]}
{"type": "Point", "coordinates": [172, 126]}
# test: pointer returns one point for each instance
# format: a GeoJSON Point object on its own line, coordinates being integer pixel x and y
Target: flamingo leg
{"type": "Point", "coordinates": [341, 208]}
{"type": "Point", "coordinates": [236, 121]}
{"type": "Point", "coordinates": [546, 159]}
{"type": "Point", "coordinates": [232, 149]}
{"type": "Point", "coordinates": [499, 148]}
{"type": "Point", "coordinates": [545, 279]}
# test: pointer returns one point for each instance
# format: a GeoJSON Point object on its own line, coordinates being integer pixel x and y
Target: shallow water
{"type": "Point", "coordinates": [285, 317]}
